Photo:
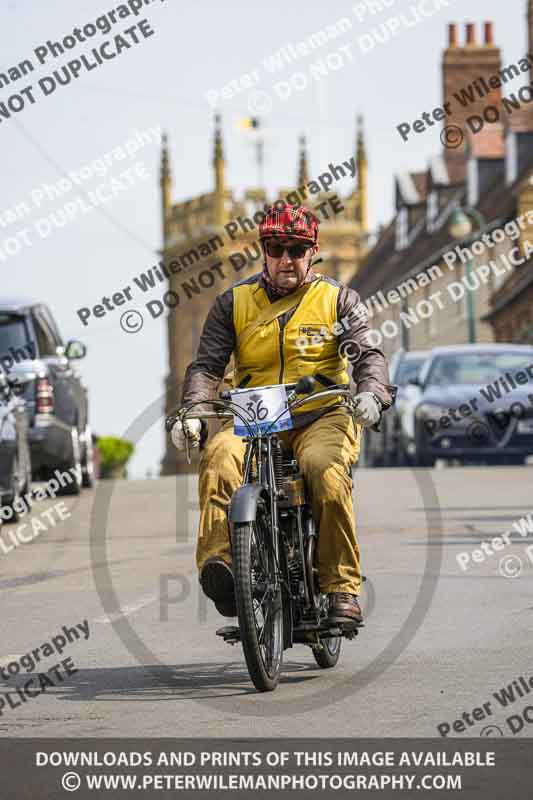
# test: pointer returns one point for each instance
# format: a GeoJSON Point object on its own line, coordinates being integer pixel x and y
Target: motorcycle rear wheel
{"type": "Point", "coordinates": [329, 655]}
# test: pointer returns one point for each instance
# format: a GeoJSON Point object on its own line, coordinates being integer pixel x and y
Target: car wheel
{"type": "Point", "coordinates": [514, 461]}
{"type": "Point", "coordinates": [401, 456]}
{"type": "Point", "coordinates": [373, 458]}
{"type": "Point", "coordinates": [28, 476]}
{"type": "Point", "coordinates": [88, 467]}
{"type": "Point", "coordinates": [421, 457]}
{"type": "Point", "coordinates": [15, 495]}
{"type": "Point", "coordinates": [74, 467]}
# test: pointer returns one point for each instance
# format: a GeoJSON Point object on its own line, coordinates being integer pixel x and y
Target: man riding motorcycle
{"type": "Point", "coordinates": [281, 324]}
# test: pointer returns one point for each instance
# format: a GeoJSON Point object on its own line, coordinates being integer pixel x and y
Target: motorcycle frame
{"type": "Point", "coordinates": [245, 500]}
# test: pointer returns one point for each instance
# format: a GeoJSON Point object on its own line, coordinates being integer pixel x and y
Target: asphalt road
{"type": "Point", "coordinates": [438, 642]}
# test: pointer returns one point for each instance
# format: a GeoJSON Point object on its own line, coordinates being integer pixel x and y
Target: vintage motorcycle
{"type": "Point", "coordinates": [272, 532]}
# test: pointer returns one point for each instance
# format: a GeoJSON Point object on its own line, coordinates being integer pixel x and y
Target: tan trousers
{"type": "Point", "coordinates": [324, 449]}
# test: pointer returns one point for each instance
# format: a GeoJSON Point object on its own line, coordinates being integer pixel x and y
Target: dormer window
{"type": "Point", "coordinates": [511, 162]}
{"type": "Point", "coordinates": [402, 229]}
{"type": "Point", "coordinates": [472, 182]}
{"type": "Point", "coordinates": [432, 210]}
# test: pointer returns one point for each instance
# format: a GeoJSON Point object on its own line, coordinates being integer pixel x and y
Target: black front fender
{"type": "Point", "coordinates": [243, 504]}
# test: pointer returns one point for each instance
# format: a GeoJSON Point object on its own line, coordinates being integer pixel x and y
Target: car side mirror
{"type": "Point", "coordinates": [75, 349]}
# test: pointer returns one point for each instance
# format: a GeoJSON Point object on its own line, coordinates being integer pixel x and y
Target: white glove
{"type": "Point", "coordinates": [190, 429]}
{"type": "Point", "coordinates": [368, 409]}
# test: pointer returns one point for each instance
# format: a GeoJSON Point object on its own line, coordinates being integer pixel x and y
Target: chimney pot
{"type": "Point", "coordinates": [452, 35]}
{"type": "Point", "coordinates": [489, 33]}
{"type": "Point", "coordinates": [470, 33]}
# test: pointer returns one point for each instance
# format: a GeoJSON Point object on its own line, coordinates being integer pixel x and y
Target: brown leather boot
{"type": "Point", "coordinates": [344, 608]}
{"type": "Point", "coordinates": [216, 579]}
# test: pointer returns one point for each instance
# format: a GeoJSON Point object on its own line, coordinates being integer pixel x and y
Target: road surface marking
{"type": "Point", "coordinates": [108, 619]}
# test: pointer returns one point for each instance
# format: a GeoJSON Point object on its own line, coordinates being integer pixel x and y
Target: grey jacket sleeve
{"type": "Point", "coordinates": [217, 342]}
{"type": "Point", "coordinates": [370, 371]}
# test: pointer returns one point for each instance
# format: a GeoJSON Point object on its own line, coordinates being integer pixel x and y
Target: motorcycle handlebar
{"type": "Point", "coordinates": [226, 397]}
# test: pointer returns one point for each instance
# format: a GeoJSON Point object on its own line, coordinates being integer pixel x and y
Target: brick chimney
{"type": "Point", "coordinates": [530, 31]}
{"type": "Point", "coordinates": [462, 67]}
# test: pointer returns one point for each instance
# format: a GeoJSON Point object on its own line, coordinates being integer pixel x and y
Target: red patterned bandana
{"type": "Point", "coordinates": [277, 291]}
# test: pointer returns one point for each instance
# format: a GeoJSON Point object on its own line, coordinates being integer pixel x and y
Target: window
{"type": "Point", "coordinates": [409, 368]}
{"type": "Point", "coordinates": [497, 280]}
{"type": "Point", "coordinates": [402, 229]}
{"type": "Point", "coordinates": [432, 211]}
{"type": "Point", "coordinates": [45, 339]}
{"type": "Point", "coordinates": [51, 324]}
{"type": "Point", "coordinates": [13, 334]}
{"type": "Point", "coordinates": [472, 182]}
{"type": "Point", "coordinates": [511, 161]}
{"type": "Point", "coordinates": [475, 369]}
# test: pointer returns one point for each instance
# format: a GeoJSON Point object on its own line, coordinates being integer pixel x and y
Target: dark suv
{"type": "Point", "coordinates": [31, 347]}
{"type": "Point", "coordinates": [15, 463]}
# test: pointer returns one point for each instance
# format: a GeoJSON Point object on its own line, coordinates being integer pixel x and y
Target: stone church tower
{"type": "Point", "coordinates": [211, 241]}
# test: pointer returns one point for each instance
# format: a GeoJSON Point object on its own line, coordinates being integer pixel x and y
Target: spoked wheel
{"type": "Point", "coordinates": [74, 467]}
{"type": "Point", "coordinates": [329, 655]}
{"type": "Point", "coordinates": [16, 494]}
{"type": "Point", "coordinates": [88, 471]}
{"type": "Point", "coordinates": [259, 603]}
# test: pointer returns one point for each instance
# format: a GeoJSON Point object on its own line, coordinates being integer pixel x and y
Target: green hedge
{"type": "Point", "coordinates": [114, 454]}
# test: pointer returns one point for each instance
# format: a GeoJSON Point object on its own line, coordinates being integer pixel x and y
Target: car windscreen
{"type": "Point", "coordinates": [408, 368]}
{"type": "Point", "coordinates": [475, 368]}
{"type": "Point", "coordinates": [14, 341]}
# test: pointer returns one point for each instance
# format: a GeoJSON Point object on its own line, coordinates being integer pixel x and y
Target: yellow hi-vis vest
{"type": "Point", "coordinates": [305, 346]}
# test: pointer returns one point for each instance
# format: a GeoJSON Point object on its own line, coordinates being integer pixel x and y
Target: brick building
{"type": "Point", "coordinates": [423, 287]}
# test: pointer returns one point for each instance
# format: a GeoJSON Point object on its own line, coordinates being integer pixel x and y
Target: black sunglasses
{"type": "Point", "coordinates": [276, 249]}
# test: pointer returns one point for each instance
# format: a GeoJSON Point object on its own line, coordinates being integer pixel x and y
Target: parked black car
{"type": "Point", "coordinates": [56, 399]}
{"type": "Point", "coordinates": [388, 446]}
{"type": "Point", "coordinates": [476, 405]}
{"type": "Point", "coordinates": [15, 463]}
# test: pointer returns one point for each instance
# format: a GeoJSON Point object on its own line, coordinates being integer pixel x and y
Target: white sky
{"type": "Point", "coordinates": [164, 81]}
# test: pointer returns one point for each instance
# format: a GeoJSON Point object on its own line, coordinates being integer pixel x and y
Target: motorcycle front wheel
{"type": "Point", "coordinates": [259, 602]}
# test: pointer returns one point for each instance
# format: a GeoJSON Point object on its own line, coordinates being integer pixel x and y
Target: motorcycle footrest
{"type": "Point", "coordinates": [230, 633]}
{"type": "Point", "coordinates": [332, 630]}
{"type": "Point", "coordinates": [306, 625]}
{"type": "Point", "coordinates": [350, 634]}
{"type": "Point", "coordinates": [348, 629]}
